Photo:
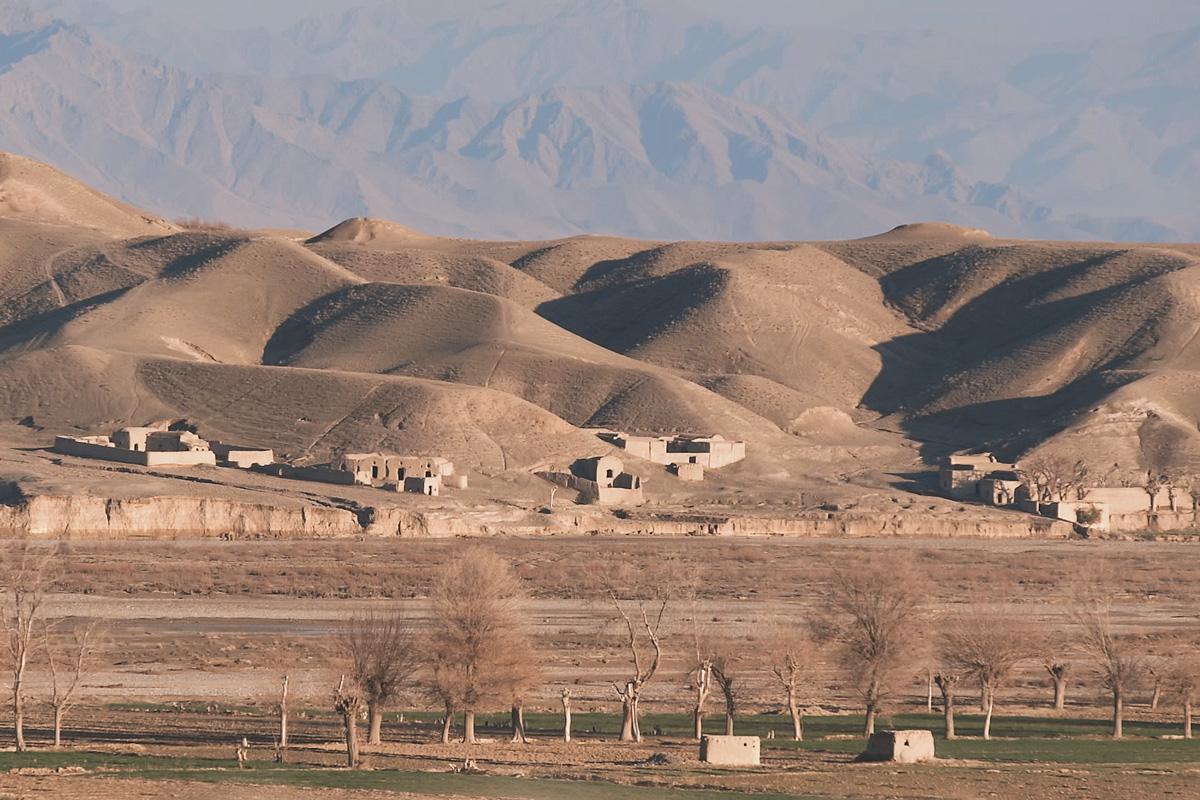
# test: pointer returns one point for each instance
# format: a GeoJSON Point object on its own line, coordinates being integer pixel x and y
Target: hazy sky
{"type": "Point", "coordinates": [1024, 19]}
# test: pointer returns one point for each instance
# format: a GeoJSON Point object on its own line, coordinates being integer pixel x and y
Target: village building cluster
{"type": "Point", "coordinates": [1066, 492]}
{"type": "Point", "coordinates": [161, 447]}
{"type": "Point", "coordinates": [601, 480]}
{"type": "Point", "coordinates": [604, 480]}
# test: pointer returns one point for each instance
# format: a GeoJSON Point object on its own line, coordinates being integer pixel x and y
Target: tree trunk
{"type": "Point", "coordinates": [1060, 691]}
{"type": "Point", "coordinates": [983, 692]}
{"type": "Point", "coordinates": [283, 715]}
{"type": "Point", "coordinates": [797, 727]}
{"type": "Point", "coordinates": [729, 723]}
{"type": "Point", "coordinates": [350, 728]}
{"type": "Point", "coordinates": [987, 720]}
{"type": "Point", "coordinates": [1187, 719]}
{"type": "Point", "coordinates": [19, 718]}
{"type": "Point", "coordinates": [869, 723]}
{"type": "Point", "coordinates": [627, 734]}
{"type": "Point", "coordinates": [702, 678]}
{"type": "Point", "coordinates": [1118, 715]}
{"type": "Point", "coordinates": [469, 727]}
{"type": "Point", "coordinates": [1155, 694]}
{"type": "Point", "coordinates": [566, 703]}
{"type": "Point", "coordinates": [518, 724]}
{"type": "Point", "coordinates": [948, 709]}
{"type": "Point", "coordinates": [58, 718]}
{"type": "Point", "coordinates": [374, 723]}
{"type": "Point", "coordinates": [447, 721]}
{"type": "Point", "coordinates": [929, 691]}
{"type": "Point", "coordinates": [637, 725]}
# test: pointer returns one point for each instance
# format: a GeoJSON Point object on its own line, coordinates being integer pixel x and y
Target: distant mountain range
{"type": "Point", "coordinates": [534, 119]}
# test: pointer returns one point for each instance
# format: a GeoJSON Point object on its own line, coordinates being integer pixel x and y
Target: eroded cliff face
{"type": "Point", "coordinates": [187, 517]}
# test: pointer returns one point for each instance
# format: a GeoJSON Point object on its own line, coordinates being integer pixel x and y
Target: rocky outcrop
{"type": "Point", "coordinates": [88, 517]}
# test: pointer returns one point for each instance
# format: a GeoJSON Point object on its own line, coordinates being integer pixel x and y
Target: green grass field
{"type": "Point", "coordinates": [1019, 740]}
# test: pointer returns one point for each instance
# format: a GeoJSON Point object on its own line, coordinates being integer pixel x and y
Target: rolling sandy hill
{"type": "Point", "coordinates": [791, 314]}
{"type": "Point", "coordinates": [836, 361]}
{"type": "Point", "coordinates": [427, 260]}
{"type": "Point", "coordinates": [33, 191]}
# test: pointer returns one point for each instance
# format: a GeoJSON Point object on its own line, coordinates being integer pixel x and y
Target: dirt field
{"type": "Point", "coordinates": [200, 634]}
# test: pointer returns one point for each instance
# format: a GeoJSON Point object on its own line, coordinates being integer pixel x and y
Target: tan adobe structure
{"type": "Point", "coordinates": [711, 452]}
{"type": "Point", "coordinates": [693, 473]}
{"type": "Point", "coordinates": [428, 485]}
{"type": "Point", "coordinates": [730, 751]}
{"type": "Point", "coordinates": [900, 747]}
{"type": "Point", "coordinates": [232, 455]}
{"type": "Point", "coordinates": [1122, 508]}
{"type": "Point", "coordinates": [601, 480]}
{"type": "Point", "coordinates": [961, 475]}
{"type": "Point", "coordinates": [381, 469]}
{"type": "Point", "coordinates": [157, 447]}
{"type": "Point", "coordinates": [144, 446]}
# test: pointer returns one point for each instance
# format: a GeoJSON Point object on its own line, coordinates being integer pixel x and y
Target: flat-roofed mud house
{"type": "Point", "coordinates": [710, 452]}
{"type": "Point", "coordinates": [416, 474]}
{"type": "Point", "coordinates": [978, 476]}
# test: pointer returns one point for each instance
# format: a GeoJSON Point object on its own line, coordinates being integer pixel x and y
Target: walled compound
{"type": "Point", "coordinates": [157, 447]}
{"type": "Point", "coordinates": [981, 477]}
{"type": "Point", "coordinates": [601, 480]}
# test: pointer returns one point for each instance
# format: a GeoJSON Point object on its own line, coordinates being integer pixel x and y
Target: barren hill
{"type": "Point", "coordinates": [34, 192]}
{"type": "Point", "coordinates": [835, 361]}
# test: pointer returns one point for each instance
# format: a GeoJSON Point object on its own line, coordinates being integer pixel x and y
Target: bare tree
{"type": "Point", "coordinates": [1051, 479]}
{"type": "Point", "coordinates": [26, 576]}
{"type": "Point", "coordinates": [988, 645]}
{"type": "Point", "coordinates": [701, 685]}
{"type": "Point", "coordinates": [640, 602]}
{"type": "Point", "coordinates": [523, 670]}
{"type": "Point", "coordinates": [383, 658]}
{"type": "Point", "coordinates": [478, 638]}
{"type": "Point", "coordinates": [1182, 680]}
{"type": "Point", "coordinates": [701, 682]}
{"type": "Point", "coordinates": [725, 666]}
{"type": "Point", "coordinates": [347, 702]}
{"type": "Point", "coordinates": [1120, 668]}
{"type": "Point", "coordinates": [1155, 672]}
{"type": "Point", "coordinates": [283, 719]}
{"type": "Point", "coordinates": [442, 685]}
{"type": "Point", "coordinates": [1193, 490]}
{"type": "Point", "coordinates": [878, 602]}
{"type": "Point", "coordinates": [947, 682]}
{"type": "Point", "coordinates": [69, 659]}
{"type": "Point", "coordinates": [1152, 484]}
{"type": "Point", "coordinates": [790, 653]}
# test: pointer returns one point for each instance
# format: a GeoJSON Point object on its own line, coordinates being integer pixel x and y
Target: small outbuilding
{"type": "Point", "coordinates": [900, 747]}
{"type": "Point", "coordinates": [730, 751]}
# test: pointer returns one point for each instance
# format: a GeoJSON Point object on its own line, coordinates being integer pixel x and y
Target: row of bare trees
{"type": "Point", "coordinates": [68, 653]}
{"type": "Point", "coordinates": [476, 653]}
{"type": "Point", "coordinates": [880, 603]}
